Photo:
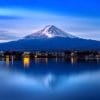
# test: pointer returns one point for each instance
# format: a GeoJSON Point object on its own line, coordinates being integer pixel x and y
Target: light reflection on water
{"type": "Point", "coordinates": [26, 61]}
{"type": "Point", "coordinates": [49, 79]}
{"type": "Point", "coordinates": [7, 59]}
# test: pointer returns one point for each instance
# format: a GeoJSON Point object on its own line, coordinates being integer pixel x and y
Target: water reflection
{"type": "Point", "coordinates": [37, 60]}
{"type": "Point", "coordinates": [7, 60]}
{"type": "Point", "coordinates": [46, 60]}
{"type": "Point", "coordinates": [50, 81]}
{"type": "Point", "coordinates": [12, 59]}
{"type": "Point", "coordinates": [2, 59]}
{"type": "Point", "coordinates": [56, 59]}
{"type": "Point", "coordinates": [26, 61]}
{"type": "Point", "coordinates": [73, 60]}
{"type": "Point", "coordinates": [68, 83]}
{"type": "Point", "coordinates": [41, 60]}
{"type": "Point", "coordinates": [56, 80]}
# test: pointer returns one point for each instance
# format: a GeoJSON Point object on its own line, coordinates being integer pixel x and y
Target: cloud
{"type": "Point", "coordinates": [24, 22]}
{"type": "Point", "coordinates": [5, 17]}
{"type": "Point", "coordinates": [5, 35]}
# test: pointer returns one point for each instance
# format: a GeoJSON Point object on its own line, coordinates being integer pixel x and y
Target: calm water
{"type": "Point", "coordinates": [53, 79]}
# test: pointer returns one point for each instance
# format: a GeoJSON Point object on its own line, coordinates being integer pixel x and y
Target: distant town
{"type": "Point", "coordinates": [66, 54]}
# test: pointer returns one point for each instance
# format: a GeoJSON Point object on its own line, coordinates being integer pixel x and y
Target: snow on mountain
{"type": "Point", "coordinates": [49, 31]}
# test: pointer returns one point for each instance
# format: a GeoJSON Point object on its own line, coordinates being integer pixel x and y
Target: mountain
{"type": "Point", "coordinates": [51, 38]}
{"type": "Point", "coordinates": [49, 31]}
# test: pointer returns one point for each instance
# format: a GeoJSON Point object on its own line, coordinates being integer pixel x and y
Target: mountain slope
{"type": "Point", "coordinates": [51, 44]}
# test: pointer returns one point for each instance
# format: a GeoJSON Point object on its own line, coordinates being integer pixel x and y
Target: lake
{"type": "Point", "coordinates": [49, 79]}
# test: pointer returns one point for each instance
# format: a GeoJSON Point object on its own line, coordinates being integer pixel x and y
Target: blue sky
{"type": "Point", "coordinates": [21, 17]}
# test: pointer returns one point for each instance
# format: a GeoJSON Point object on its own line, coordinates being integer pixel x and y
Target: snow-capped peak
{"type": "Point", "coordinates": [50, 31]}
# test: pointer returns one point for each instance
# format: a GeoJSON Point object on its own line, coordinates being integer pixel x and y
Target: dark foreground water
{"type": "Point", "coordinates": [53, 79]}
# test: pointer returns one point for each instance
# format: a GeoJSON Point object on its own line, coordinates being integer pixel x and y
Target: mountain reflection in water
{"type": "Point", "coordinates": [49, 79]}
